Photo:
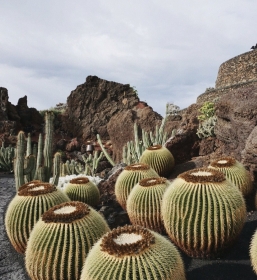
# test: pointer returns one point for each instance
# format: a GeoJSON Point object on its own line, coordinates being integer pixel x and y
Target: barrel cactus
{"type": "Point", "coordinates": [144, 203]}
{"type": "Point", "coordinates": [253, 252]}
{"type": "Point", "coordinates": [234, 172]}
{"type": "Point", "coordinates": [159, 158]}
{"type": "Point", "coordinates": [203, 212]}
{"type": "Point", "coordinates": [81, 189]}
{"type": "Point", "coordinates": [26, 208]}
{"type": "Point", "coordinates": [61, 240]}
{"type": "Point", "coordinates": [128, 178]}
{"type": "Point", "coordinates": [133, 253]}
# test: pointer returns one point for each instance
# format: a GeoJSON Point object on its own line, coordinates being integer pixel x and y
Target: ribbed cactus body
{"type": "Point", "coordinates": [203, 213]}
{"type": "Point", "coordinates": [253, 252]}
{"type": "Point", "coordinates": [133, 253]}
{"type": "Point", "coordinates": [235, 172]}
{"type": "Point", "coordinates": [159, 158]}
{"type": "Point", "coordinates": [128, 178]}
{"type": "Point", "coordinates": [144, 203]}
{"type": "Point", "coordinates": [81, 189]}
{"type": "Point", "coordinates": [26, 208]}
{"type": "Point", "coordinates": [61, 240]}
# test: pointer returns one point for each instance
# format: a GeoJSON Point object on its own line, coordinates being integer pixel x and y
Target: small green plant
{"type": "Point", "coordinates": [207, 111]}
{"type": "Point", "coordinates": [6, 157]}
{"type": "Point", "coordinates": [208, 120]}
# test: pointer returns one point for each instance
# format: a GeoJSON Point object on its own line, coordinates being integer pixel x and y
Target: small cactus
{"type": "Point", "coordinates": [235, 172]}
{"type": "Point", "coordinates": [203, 213]}
{"type": "Point", "coordinates": [159, 158]}
{"type": "Point", "coordinates": [81, 189]}
{"type": "Point", "coordinates": [61, 240]}
{"type": "Point", "coordinates": [128, 178]}
{"type": "Point", "coordinates": [133, 253]}
{"type": "Point", "coordinates": [144, 203]}
{"type": "Point", "coordinates": [25, 209]}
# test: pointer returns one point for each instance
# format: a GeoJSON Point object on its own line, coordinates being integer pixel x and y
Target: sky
{"type": "Point", "coordinates": [169, 50]}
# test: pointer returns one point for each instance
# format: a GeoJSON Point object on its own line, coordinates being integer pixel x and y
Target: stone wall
{"type": "Point", "coordinates": [240, 69]}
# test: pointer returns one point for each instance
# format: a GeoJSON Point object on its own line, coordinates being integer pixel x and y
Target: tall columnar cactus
{"type": "Point", "coordinates": [128, 178]}
{"type": "Point", "coordinates": [6, 157]}
{"type": "Point", "coordinates": [203, 212]}
{"type": "Point", "coordinates": [253, 252]}
{"type": "Point", "coordinates": [22, 166]}
{"type": "Point", "coordinates": [159, 158]}
{"type": "Point", "coordinates": [25, 209]}
{"type": "Point", "coordinates": [61, 240]}
{"type": "Point", "coordinates": [133, 253]}
{"type": "Point", "coordinates": [81, 189]}
{"type": "Point", "coordinates": [144, 203]}
{"type": "Point", "coordinates": [234, 172]}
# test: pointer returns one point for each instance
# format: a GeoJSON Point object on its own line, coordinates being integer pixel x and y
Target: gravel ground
{"type": "Point", "coordinates": [234, 265]}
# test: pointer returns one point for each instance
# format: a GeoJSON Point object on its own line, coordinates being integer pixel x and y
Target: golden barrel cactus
{"type": "Point", "coordinates": [128, 178]}
{"type": "Point", "coordinates": [133, 253]}
{"type": "Point", "coordinates": [144, 203]}
{"type": "Point", "coordinates": [159, 158]}
{"type": "Point", "coordinates": [61, 240]}
{"type": "Point", "coordinates": [253, 252]}
{"type": "Point", "coordinates": [82, 189]}
{"type": "Point", "coordinates": [203, 212]}
{"type": "Point", "coordinates": [234, 172]}
{"type": "Point", "coordinates": [25, 209]}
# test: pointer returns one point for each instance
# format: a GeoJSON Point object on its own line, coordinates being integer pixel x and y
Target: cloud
{"type": "Point", "coordinates": [167, 49]}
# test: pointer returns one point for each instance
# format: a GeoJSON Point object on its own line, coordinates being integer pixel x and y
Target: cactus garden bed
{"type": "Point", "coordinates": [235, 264]}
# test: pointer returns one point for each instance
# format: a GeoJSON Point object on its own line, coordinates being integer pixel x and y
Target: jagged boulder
{"type": "Point", "coordinates": [91, 105]}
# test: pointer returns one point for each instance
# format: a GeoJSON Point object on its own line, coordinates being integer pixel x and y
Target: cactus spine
{"type": "Point", "coordinates": [211, 212]}
{"type": "Point", "coordinates": [159, 158]}
{"type": "Point", "coordinates": [81, 189]}
{"type": "Point", "coordinates": [128, 178]}
{"type": "Point", "coordinates": [26, 208]}
{"type": "Point", "coordinates": [144, 203]}
{"type": "Point", "coordinates": [235, 172]}
{"type": "Point", "coordinates": [61, 240]}
{"type": "Point", "coordinates": [132, 253]}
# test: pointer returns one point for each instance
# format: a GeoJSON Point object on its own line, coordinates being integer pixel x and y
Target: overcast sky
{"type": "Point", "coordinates": [170, 50]}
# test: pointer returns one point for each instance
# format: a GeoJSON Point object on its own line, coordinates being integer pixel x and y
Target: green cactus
{"type": "Point", "coordinates": [104, 150]}
{"type": "Point", "coordinates": [159, 158]}
{"type": "Point", "coordinates": [61, 240]}
{"type": "Point", "coordinates": [25, 209]}
{"type": "Point", "coordinates": [144, 203]}
{"type": "Point", "coordinates": [133, 253]}
{"type": "Point", "coordinates": [81, 189]}
{"type": "Point", "coordinates": [22, 166]}
{"type": "Point", "coordinates": [235, 172]}
{"type": "Point", "coordinates": [253, 252]}
{"type": "Point", "coordinates": [128, 178]}
{"type": "Point", "coordinates": [203, 212]}
{"type": "Point", "coordinates": [6, 157]}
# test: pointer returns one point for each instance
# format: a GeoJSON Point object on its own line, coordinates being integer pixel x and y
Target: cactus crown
{"type": "Point", "coordinates": [223, 162]}
{"type": "Point", "coordinates": [127, 241]}
{"type": "Point", "coordinates": [37, 189]}
{"type": "Point", "coordinates": [202, 175]}
{"type": "Point", "coordinates": [148, 182]}
{"type": "Point", "coordinates": [79, 180]}
{"type": "Point", "coordinates": [137, 166]}
{"type": "Point", "coordinates": [66, 212]}
{"type": "Point", "coordinates": [154, 147]}
{"type": "Point", "coordinates": [31, 183]}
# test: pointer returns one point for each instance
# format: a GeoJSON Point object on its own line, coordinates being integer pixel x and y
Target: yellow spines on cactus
{"type": "Point", "coordinates": [234, 172]}
{"type": "Point", "coordinates": [128, 178]}
{"type": "Point", "coordinates": [133, 253]}
{"type": "Point", "coordinates": [82, 189]}
{"type": "Point", "coordinates": [25, 209]}
{"type": "Point", "coordinates": [144, 203]}
{"type": "Point", "coordinates": [203, 212]}
{"type": "Point", "coordinates": [159, 158]}
{"type": "Point", "coordinates": [253, 252]}
{"type": "Point", "coordinates": [61, 240]}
